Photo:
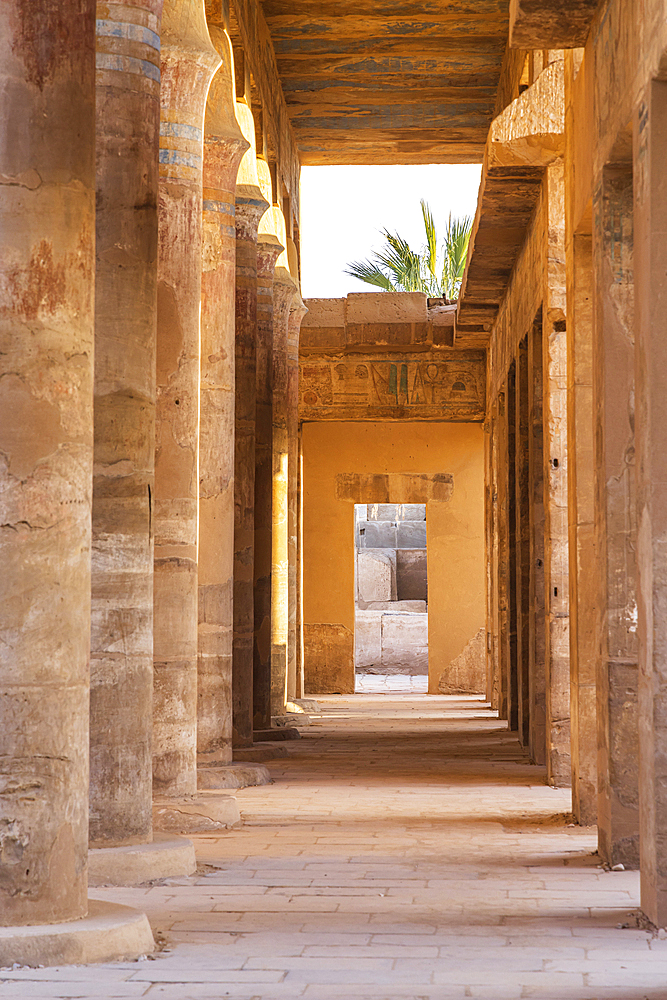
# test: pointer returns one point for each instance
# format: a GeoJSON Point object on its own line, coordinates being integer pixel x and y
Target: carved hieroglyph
{"type": "Point", "coordinates": [413, 387]}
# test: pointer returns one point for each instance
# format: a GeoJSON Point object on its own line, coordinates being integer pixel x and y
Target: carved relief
{"type": "Point", "coordinates": [405, 387]}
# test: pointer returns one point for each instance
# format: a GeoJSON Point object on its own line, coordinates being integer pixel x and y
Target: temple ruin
{"type": "Point", "coordinates": [223, 502]}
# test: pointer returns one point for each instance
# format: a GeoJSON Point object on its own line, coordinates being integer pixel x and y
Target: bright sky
{"type": "Point", "coordinates": [343, 210]}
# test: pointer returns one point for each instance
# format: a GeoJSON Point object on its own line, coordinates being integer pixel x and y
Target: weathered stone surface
{"type": "Point", "coordinates": [411, 575]}
{"type": "Point", "coordinates": [649, 277]}
{"type": "Point", "coordinates": [582, 563]}
{"type": "Point", "coordinates": [537, 24]}
{"type": "Point", "coordinates": [328, 658]}
{"type": "Point", "coordinates": [204, 813]}
{"type": "Point", "coordinates": [281, 733]}
{"type": "Point", "coordinates": [366, 86]}
{"type": "Point", "coordinates": [395, 512]}
{"type": "Point", "coordinates": [404, 643]}
{"type": "Point", "coordinates": [466, 674]}
{"type": "Point", "coordinates": [381, 321]}
{"type": "Point", "coordinates": [259, 752]}
{"type": "Point", "coordinates": [360, 463]}
{"type": "Point", "coordinates": [47, 227]}
{"type": "Point", "coordinates": [397, 606]}
{"type": "Point", "coordinates": [446, 385]}
{"type": "Point", "coordinates": [556, 575]}
{"type": "Point", "coordinates": [376, 575]}
{"type": "Point", "coordinates": [615, 519]}
{"type": "Point", "coordinates": [368, 640]}
{"type": "Point", "coordinates": [163, 856]}
{"type": "Point", "coordinates": [241, 774]}
{"type": "Point", "coordinates": [109, 933]}
{"type": "Point", "coordinates": [523, 140]}
{"type": "Point", "coordinates": [419, 487]}
{"type": "Point", "coordinates": [121, 665]}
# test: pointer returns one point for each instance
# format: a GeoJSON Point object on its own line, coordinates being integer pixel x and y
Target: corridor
{"type": "Point", "coordinates": [406, 849]}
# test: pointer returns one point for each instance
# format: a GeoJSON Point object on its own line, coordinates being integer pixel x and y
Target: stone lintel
{"type": "Point", "coordinates": [439, 384]}
{"type": "Point", "coordinates": [375, 320]}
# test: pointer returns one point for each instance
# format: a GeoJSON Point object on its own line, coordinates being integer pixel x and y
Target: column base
{"type": "Point", "coordinates": [110, 933]}
{"type": "Point", "coordinates": [303, 705]}
{"type": "Point", "coordinates": [164, 857]}
{"type": "Point", "coordinates": [291, 719]}
{"type": "Point", "coordinates": [241, 774]}
{"type": "Point", "coordinates": [204, 813]}
{"type": "Point", "coordinates": [282, 733]}
{"type": "Point", "coordinates": [261, 751]}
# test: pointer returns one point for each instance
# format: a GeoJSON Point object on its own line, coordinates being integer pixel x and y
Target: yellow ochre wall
{"type": "Point", "coordinates": [455, 541]}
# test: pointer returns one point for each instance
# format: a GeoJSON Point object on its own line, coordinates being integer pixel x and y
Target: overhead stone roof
{"type": "Point", "coordinates": [388, 81]}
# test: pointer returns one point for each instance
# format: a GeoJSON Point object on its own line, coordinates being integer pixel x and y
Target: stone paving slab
{"type": "Point", "coordinates": [407, 850]}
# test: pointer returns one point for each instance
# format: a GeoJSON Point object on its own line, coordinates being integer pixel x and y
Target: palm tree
{"type": "Point", "coordinates": [398, 268]}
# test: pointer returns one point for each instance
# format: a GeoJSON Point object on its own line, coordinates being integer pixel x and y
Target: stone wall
{"type": "Point", "coordinates": [342, 464]}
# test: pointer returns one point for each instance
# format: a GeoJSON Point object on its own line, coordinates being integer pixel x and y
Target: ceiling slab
{"type": "Point", "coordinates": [389, 82]}
{"type": "Point", "coordinates": [544, 24]}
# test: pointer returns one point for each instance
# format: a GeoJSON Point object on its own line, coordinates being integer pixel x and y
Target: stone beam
{"type": "Point", "coordinates": [542, 24]}
{"type": "Point", "coordinates": [523, 141]}
{"type": "Point", "coordinates": [387, 356]}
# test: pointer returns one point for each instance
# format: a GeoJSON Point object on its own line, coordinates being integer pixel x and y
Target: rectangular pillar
{"type": "Point", "coordinates": [512, 613]}
{"type": "Point", "coordinates": [536, 626]}
{"type": "Point", "coordinates": [522, 534]}
{"type": "Point", "coordinates": [490, 556]}
{"type": "Point", "coordinates": [502, 527]}
{"type": "Point", "coordinates": [650, 251]}
{"type": "Point", "coordinates": [582, 562]}
{"type": "Point", "coordinates": [556, 572]}
{"type": "Point", "coordinates": [615, 518]}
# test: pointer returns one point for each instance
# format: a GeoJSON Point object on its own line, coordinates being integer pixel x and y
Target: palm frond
{"type": "Point", "coordinates": [456, 243]}
{"type": "Point", "coordinates": [371, 274]}
{"type": "Point", "coordinates": [431, 255]}
{"type": "Point", "coordinates": [398, 268]}
{"type": "Point", "coordinates": [401, 262]}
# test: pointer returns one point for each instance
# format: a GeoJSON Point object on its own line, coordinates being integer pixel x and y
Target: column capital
{"type": "Point", "coordinates": [269, 249]}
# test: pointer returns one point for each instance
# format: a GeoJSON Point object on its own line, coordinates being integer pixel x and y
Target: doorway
{"type": "Point", "coordinates": [391, 598]}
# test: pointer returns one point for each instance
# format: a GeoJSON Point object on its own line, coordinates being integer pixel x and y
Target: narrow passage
{"type": "Point", "coordinates": [407, 849]}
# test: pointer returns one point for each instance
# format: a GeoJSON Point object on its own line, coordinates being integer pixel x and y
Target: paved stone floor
{"type": "Point", "coordinates": [406, 850]}
{"type": "Point", "coordinates": [391, 683]}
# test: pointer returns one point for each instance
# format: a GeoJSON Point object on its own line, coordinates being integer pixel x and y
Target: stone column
{"type": "Point", "coordinates": [47, 227]}
{"type": "Point", "coordinates": [556, 569]}
{"type": "Point", "coordinates": [297, 312]}
{"type": "Point", "coordinates": [582, 562]}
{"type": "Point", "coordinates": [250, 207]}
{"type": "Point", "coordinates": [650, 155]}
{"type": "Point", "coordinates": [284, 290]}
{"type": "Point", "coordinates": [224, 146]}
{"type": "Point", "coordinates": [188, 64]}
{"type": "Point", "coordinates": [121, 666]}
{"type": "Point", "coordinates": [615, 519]}
{"type": "Point", "coordinates": [269, 249]}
